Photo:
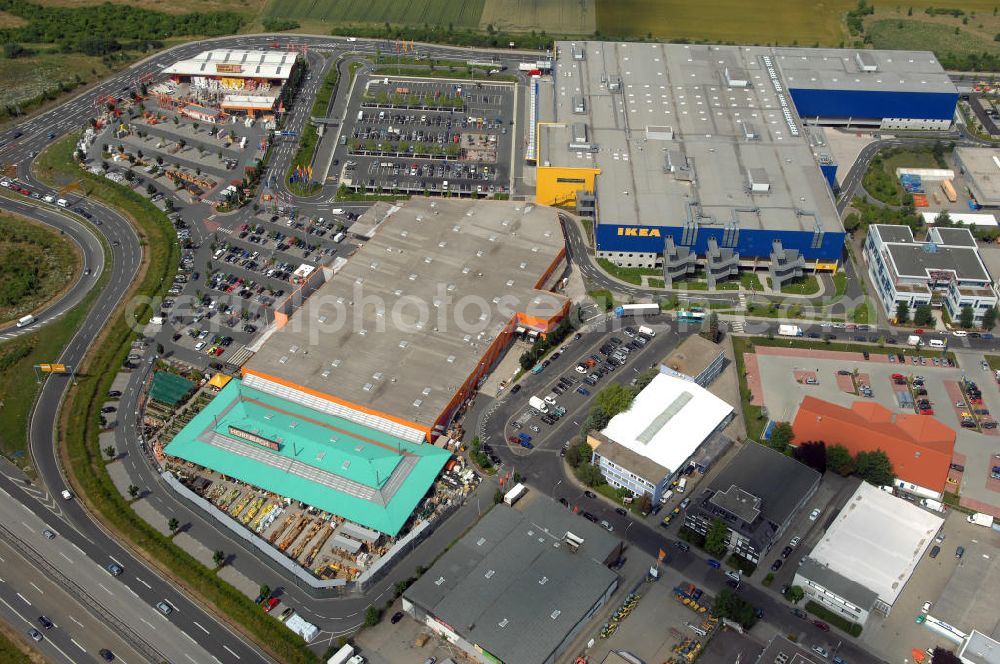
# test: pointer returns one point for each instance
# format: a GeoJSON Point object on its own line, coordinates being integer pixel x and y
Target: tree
{"type": "Point", "coordinates": [966, 317]}
{"type": "Point", "coordinates": [782, 436]}
{"type": "Point", "coordinates": [730, 605]}
{"type": "Point", "coordinates": [795, 594]}
{"type": "Point", "coordinates": [615, 399]}
{"type": "Point", "coordinates": [923, 315]}
{"type": "Point", "coordinates": [173, 524]}
{"type": "Point", "coordinates": [373, 615]}
{"type": "Point", "coordinates": [218, 558]}
{"type": "Point", "coordinates": [839, 460]}
{"type": "Point", "coordinates": [497, 497]}
{"type": "Point", "coordinates": [646, 503]}
{"type": "Point", "coordinates": [902, 313]}
{"type": "Point", "coordinates": [717, 539]}
{"type": "Point", "coordinates": [589, 474]}
{"type": "Point", "coordinates": [110, 451]}
{"type": "Point", "coordinates": [265, 590]}
{"type": "Point", "coordinates": [812, 454]}
{"type": "Point", "coordinates": [942, 656]}
{"type": "Point", "coordinates": [711, 329]}
{"type": "Point", "coordinates": [989, 318]}
{"type": "Point", "coordinates": [169, 205]}
{"type": "Point", "coordinates": [133, 490]}
{"type": "Point", "coordinates": [875, 467]}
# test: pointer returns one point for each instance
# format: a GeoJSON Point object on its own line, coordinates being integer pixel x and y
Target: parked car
{"type": "Point", "coordinates": [821, 625]}
{"type": "Point", "coordinates": [959, 552]}
{"type": "Point", "coordinates": [815, 514]}
{"type": "Point", "coordinates": [776, 565]}
{"type": "Point", "coordinates": [396, 617]}
{"type": "Point", "coordinates": [935, 550]}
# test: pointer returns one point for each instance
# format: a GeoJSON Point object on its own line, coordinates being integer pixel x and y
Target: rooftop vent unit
{"type": "Point", "coordinates": [579, 104]}
{"type": "Point", "coordinates": [866, 62]}
{"type": "Point", "coordinates": [749, 133]}
{"type": "Point", "coordinates": [736, 77]}
{"type": "Point", "coordinates": [759, 182]}
{"type": "Point", "coordinates": [579, 52]}
{"type": "Point", "coordinates": [659, 133]}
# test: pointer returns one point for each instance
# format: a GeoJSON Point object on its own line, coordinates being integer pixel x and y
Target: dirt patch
{"type": "Point", "coordinates": [806, 377]}
{"type": "Point", "coordinates": [754, 383]}
{"type": "Point", "coordinates": [846, 384]}
{"type": "Point", "coordinates": [8, 20]}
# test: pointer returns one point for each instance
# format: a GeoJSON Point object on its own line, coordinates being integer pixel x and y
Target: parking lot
{"type": "Point", "coordinates": [572, 391]}
{"type": "Point", "coordinates": [413, 136]}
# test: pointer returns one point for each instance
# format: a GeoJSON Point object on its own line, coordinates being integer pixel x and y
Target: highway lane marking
{"type": "Point", "coordinates": [199, 626]}
{"type": "Point", "coordinates": [132, 591]}
{"type": "Point", "coordinates": [190, 638]}
{"type": "Point", "coordinates": [189, 657]}
{"type": "Point", "coordinates": [65, 556]}
{"type": "Point", "coordinates": [28, 527]}
{"type": "Point", "coordinates": [36, 587]}
{"type": "Point", "coordinates": [231, 652]}
{"type": "Point", "coordinates": [105, 588]}
{"type": "Point", "coordinates": [143, 583]}
{"type": "Point", "coordinates": [77, 644]}
{"type": "Point", "coordinates": [76, 621]}
{"type": "Point", "coordinates": [147, 622]}
{"type": "Point", "coordinates": [23, 598]}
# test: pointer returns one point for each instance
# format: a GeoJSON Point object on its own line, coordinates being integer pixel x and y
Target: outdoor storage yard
{"type": "Point", "coordinates": [413, 136]}
{"type": "Point", "coordinates": [779, 378]}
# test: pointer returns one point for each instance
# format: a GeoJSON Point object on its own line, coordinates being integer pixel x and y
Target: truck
{"type": "Point", "coordinates": [306, 630]}
{"type": "Point", "coordinates": [514, 494]}
{"type": "Point", "coordinates": [339, 237]}
{"type": "Point", "coordinates": [538, 404]}
{"type": "Point", "coordinates": [930, 504]}
{"type": "Point", "coordinates": [624, 310]}
{"type": "Point", "coordinates": [342, 656]}
{"type": "Point", "coordinates": [25, 321]}
{"type": "Point", "coordinates": [913, 340]}
{"type": "Point", "coordinates": [980, 519]}
{"type": "Point", "coordinates": [648, 331]}
{"type": "Point", "coordinates": [789, 331]}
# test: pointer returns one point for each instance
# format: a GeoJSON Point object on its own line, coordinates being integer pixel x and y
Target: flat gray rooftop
{"type": "Point", "coordinates": [840, 69]}
{"type": "Point", "coordinates": [513, 586]}
{"type": "Point", "coordinates": [678, 135]}
{"type": "Point", "coordinates": [982, 172]}
{"type": "Point", "coordinates": [916, 260]}
{"type": "Point", "coordinates": [410, 315]}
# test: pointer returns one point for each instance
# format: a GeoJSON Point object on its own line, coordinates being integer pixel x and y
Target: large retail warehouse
{"type": "Point", "coordinates": [682, 150]}
{"type": "Point", "coordinates": [338, 405]}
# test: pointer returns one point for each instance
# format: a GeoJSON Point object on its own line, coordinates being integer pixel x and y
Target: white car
{"type": "Point", "coordinates": [795, 541]}
{"type": "Point", "coordinates": [581, 369]}
{"type": "Point", "coordinates": [960, 333]}
{"type": "Point", "coordinates": [821, 651]}
{"type": "Point", "coordinates": [814, 514]}
{"type": "Point", "coordinates": [199, 345]}
{"type": "Point", "coordinates": [607, 526]}
{"type": "Point", "coordinates": [925, 608]}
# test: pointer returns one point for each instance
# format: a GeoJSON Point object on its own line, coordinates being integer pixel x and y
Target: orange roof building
{"type": "Point", "coordinates": [919, 447]}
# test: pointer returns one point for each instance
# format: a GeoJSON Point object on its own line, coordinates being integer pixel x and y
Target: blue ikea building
{"type": "Point", "coordinates": [733, 148]}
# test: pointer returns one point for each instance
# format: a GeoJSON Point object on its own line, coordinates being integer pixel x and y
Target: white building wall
{"type": "Point", "coordinates": [819, 594]}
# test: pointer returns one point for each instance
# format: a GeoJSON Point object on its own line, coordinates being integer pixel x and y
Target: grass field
{"type": "Point", "coordinates": [575, 17]}
{"type": "Point", "coordinates": [939, 36]}
{"type": "Point", "coordinates": [35, 265]}
{"type": "Point", "coordinates": [410, 12]}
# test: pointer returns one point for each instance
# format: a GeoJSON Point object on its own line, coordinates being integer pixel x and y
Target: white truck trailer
{"type": "Point", "coordinates": [789, 331]}
{"type": "Point", "coordinates": [980, 519]}
{"type": "Point", "coordinates": [538, 404]}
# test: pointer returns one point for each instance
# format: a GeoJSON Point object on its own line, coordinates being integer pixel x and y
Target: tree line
{"type": "Point", "coordinates": [98, 27]}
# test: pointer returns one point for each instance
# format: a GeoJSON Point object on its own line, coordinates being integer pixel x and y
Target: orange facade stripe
{"type": "Point", "coordinates": [343, 402]}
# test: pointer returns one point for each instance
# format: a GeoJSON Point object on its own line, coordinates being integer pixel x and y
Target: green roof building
{"type": "Point", "coordinates": [361, 474]}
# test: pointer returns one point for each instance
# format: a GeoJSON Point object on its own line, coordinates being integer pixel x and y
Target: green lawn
{"type": "Point", "coordinates": [751, 280]}
{"type": "Point", "coordinates": [807, 285]}
{"type": "Point", "coordinates": [632, 275]}
{"type": "Point", "coordinates": [603, 298]}
{"type": "Point", "coordinates": [753, 416]}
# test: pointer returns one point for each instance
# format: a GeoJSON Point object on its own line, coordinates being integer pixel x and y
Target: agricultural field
{"type": "Point", "coordinates": [25, 79]}
{"type": "Point", "coordinates": [464, 14]}
{"type": "Point", "coordinates": [35, 265]}
{"type": "Point", "coordinates": [573, 17]}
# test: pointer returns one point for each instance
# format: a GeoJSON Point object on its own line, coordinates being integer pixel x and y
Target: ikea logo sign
{"type": "Point", "coordinates": [635, 231]}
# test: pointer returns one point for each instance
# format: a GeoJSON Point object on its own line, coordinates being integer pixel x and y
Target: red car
{"type": "Point", "coordinates": [822, 625]}
{"type": "Point", "coordinates": [273, 602]}
{"type": "Point", "coordinates": [897, 376]}
{"type": "Point", "coordinates": [918, 331]}
{"type": "Point", "coordinates": [927, 411]}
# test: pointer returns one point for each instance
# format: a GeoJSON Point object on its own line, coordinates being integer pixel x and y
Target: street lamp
{"type": "Point", "coordinates": [554, 487]}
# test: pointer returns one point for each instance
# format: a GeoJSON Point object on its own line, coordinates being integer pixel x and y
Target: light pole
{"type": "Point", "coordinates": [556, 485]}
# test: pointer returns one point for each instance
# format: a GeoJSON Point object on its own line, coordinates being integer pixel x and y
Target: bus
{"type": "Point", "coordinates": [690, 316]}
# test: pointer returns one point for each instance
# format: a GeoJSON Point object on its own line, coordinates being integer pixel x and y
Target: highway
{"type": "Point", "coordinates": [138, 590]}
{"type": "Point", "coordinates": [91, 260]}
